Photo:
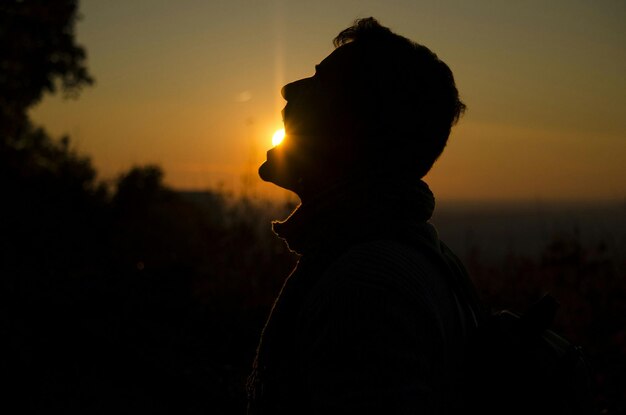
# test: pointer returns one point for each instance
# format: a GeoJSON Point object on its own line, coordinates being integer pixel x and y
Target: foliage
{"type": "Point", "coordinates": [38, 53]}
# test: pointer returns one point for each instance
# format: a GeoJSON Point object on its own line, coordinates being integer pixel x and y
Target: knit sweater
{"type": "Point", "coordinates": [368, 322]}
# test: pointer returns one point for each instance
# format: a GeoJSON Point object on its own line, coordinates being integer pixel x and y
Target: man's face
{"type": "Point", "coordinates": [317, 116]}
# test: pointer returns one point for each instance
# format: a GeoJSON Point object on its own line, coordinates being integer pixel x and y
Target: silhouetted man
{"type": "Point", "coordinates": [370, 320]}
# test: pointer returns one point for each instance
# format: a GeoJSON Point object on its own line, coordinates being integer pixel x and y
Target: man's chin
{"type": "Point", "coordinates": [265, 172]}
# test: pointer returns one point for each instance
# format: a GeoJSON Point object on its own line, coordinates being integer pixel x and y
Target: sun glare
{"type": "Point", "coordinates": [278, 137]}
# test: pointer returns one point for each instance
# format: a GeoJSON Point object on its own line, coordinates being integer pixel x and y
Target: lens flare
{"type": "Point", "coordinates": [278, 137]}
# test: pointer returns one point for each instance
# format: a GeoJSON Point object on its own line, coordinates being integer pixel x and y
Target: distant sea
{"type": "Point", "coordinates": [496, 230]}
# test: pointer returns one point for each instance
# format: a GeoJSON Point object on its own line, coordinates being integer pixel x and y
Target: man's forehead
{"type": "Point", "coordinates": [345, 55]}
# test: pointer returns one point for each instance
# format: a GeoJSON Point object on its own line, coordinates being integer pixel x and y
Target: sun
{"type": "Point", "coordinates": [278, 137]}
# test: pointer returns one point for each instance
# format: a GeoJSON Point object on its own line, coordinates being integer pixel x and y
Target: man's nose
{"type": "Point", "coordinates": [292, 89]}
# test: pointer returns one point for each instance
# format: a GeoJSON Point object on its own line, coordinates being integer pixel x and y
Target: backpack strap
{"type": "Point", "coordinates": [462, 285]}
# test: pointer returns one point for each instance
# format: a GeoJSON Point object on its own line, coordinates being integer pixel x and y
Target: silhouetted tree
{"type": "Point", "coordinates": [38, 53]}
{"type": "Point", "coordinates": [50, 193]}
{"type": "Point", "coordinates": [140, 186]}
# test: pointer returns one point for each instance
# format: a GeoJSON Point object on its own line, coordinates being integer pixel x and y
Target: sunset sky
{"type": "Point", "coordinates": [194, 86]}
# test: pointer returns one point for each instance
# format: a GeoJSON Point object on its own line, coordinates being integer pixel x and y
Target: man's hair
{"type": "Point", "coordinates": [408, 96]}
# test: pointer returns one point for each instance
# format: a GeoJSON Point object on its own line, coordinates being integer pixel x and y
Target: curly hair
{"type": "Point", "coordinates": [409, 96]}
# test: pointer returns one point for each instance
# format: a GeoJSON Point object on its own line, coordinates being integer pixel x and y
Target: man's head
{"type": "Point", "coordinates": [379, 103]}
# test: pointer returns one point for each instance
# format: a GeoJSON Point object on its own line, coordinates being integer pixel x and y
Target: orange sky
{"type": "Point", "coordinates": [194, 86]}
